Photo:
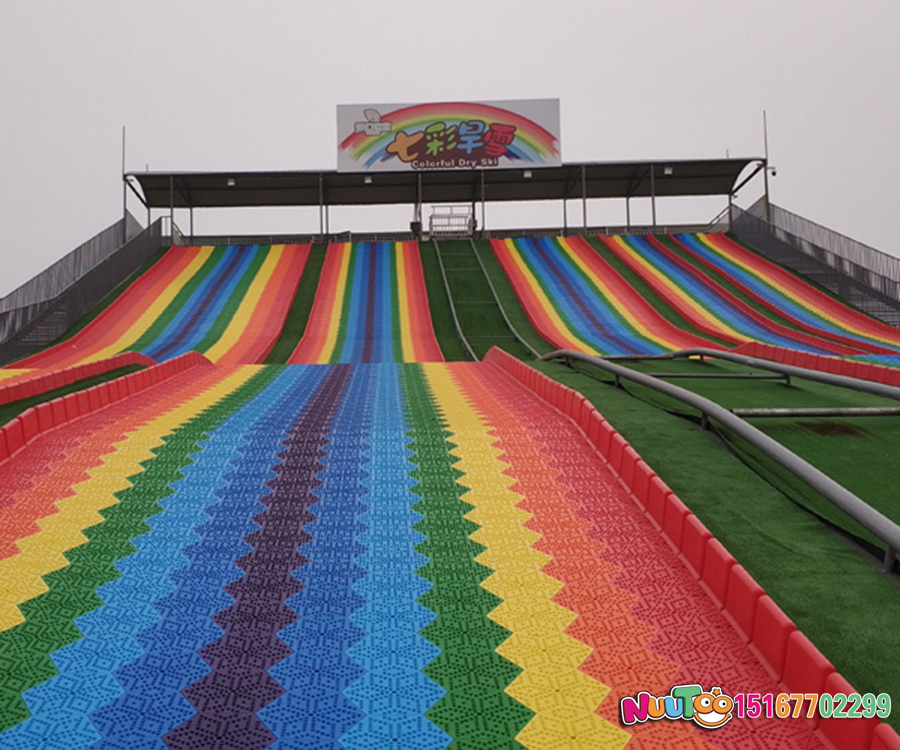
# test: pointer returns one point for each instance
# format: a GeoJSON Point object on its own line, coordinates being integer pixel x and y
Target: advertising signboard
{"type": "Point", "coordinates": [448, 135]}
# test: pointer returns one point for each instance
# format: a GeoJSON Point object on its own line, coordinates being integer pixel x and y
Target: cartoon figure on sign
{"type": "Point", "coordinates": [373, 124]}
{"type": "Point", "coordinates": [712, 710]}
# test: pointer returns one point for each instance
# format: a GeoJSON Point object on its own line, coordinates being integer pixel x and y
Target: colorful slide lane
{"type": "Point", "coordinates": [370, 306]}
{"type": "Point", "coordinates": [703, 302]}
{"type": "Point", "coordinates": [576, 300]}
{"type": "Point", "coordinates": [789, 296]}
{"type": "Point", "coordinates": [357, 556]}
{"type": "Point", "coordinates": [228, 303]}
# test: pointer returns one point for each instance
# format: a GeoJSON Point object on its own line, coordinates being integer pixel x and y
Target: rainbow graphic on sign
{"type": "Point", "coordinates": [448, 135]}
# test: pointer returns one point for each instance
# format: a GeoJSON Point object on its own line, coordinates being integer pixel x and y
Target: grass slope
{"type": "Point", "coordinates": [822, 582]}
{"type": "Point", "coordinates": [479, 316]}
{"type": "Point", "coordinates": [441, 316]}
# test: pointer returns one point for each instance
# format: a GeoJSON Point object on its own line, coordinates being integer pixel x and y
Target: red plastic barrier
{"type": "Point", "coordinates": [717, 565]}
{"type": "Point", "coordinates": [846, 734]}
{"type": "Point", "coordinates": [694, 540]}
{"type": "Point", "coordinates": [45, 418]}
{"type": "Point", "coordinates": [834, 365]}
{"type": "Point", "coordinates": [885, 738]}
{"type": "Point", "coordinates": [48, 381]}
{"type": "Point", "coordinates": [59, 412]}
{"type": "Point", "coordinates": [657, 494]}
{"type": "Point", "coordinates": [675, 515]}
{"type": "Point", "coordinates": [72, 409]}
{"type": "Point", "coordinates": [741, 601]}
{"type": "Point", "coordinates": [630, 459]}
{"type": "Point", "coordinates": [30, 427]}
{"type": "Point", "coordinates": [15, 436]}
{"type": "Point", "coordinates": [640, 485]}
{"type": "Point", "coordinates": [805, 668]}
{"type": "Point", "coordinates": [616, 449]}
{"type": "Point", "coordinates": [771, 630]}
{"type": "Point", "coordinates": [786, 654]}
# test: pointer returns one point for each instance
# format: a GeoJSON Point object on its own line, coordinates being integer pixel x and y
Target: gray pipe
{"type": "Point", "coordinates": [877, 523]}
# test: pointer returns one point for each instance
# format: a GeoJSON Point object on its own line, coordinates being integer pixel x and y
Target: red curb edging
{"type": "Point", "coordinates": [48, 381]}
{"type": "Point", "coordinates": [38, 420]}
{"type": "Point", "coordinates": [833, 365]}
{"type": "Point", "coordinates": [786, 654]}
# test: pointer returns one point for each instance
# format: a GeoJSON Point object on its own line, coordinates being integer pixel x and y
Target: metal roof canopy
{"type": "Point", "coordinates": [642, 179]}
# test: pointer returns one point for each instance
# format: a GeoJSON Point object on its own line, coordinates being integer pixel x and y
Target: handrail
{"type": "Point", "coordinates": [842, 381]}
{"type": "Point", "coordinates": [462, 336]}
{"type": "Point", "coordinates": [529, 347]}
{"type": "Point", "coordinates": [877, 523]}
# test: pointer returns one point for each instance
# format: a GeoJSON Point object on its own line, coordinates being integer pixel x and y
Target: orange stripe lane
{"type": "Point", "coordinates": [621, 655]}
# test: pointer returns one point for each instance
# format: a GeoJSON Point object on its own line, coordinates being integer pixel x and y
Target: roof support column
{"type": "Point", "coordinates": [321, 204]}
{"type": "Point", "coordinates": [483, 224]}
{"type": "Point", "coordinates": [172, 207]}
{"type": "Point", "coordinates": [418, 211]}
{"type": "Point", "coordinates": [584, 196]}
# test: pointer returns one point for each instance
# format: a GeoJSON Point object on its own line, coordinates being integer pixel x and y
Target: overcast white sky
{"type": "Point", "coordinates": [227, 84]}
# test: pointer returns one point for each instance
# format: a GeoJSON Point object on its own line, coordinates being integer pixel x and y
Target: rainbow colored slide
{"type": "Point", "coordinates": [356, 556]}
{"type": "Point", "coordinates": [370, 306]}
{"type": "Point", "coordinates": [576, 300]}
{"type": "Point", "coordinates": [703, 302]}
{"type": "Point", "coordinates": [228, 303]}
{"type": "Point", "coordinates": [789, 296]}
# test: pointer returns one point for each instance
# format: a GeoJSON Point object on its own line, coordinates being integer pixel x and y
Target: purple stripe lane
{"type": "Point", "coordinates": [228, 698]}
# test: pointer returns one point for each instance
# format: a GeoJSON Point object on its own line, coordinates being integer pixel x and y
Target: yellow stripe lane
{"type": "Point", "coordinates": [239, 323]}
{"type": "Point", "coordinates": [156, 309]}
{"type": "Point", "coordinates": [42, 552]}
{"type": "Point", "coordinates": [563, 698]}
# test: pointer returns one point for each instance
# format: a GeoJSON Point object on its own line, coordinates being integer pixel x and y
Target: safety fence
{"type": "Point", "coordinates": [862, 275]}
{"type": "Point", "coordinates": [39, 322]}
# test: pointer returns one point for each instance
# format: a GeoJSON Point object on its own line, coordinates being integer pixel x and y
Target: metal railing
{"type": "Point", "coordinates": [59, 276]}
{"type": "Point", "coordinates": [863, 276]}
{"type": "Point", "coordinates": [875, 522]}
{"type": "Point", "coordinates": [28, 329]}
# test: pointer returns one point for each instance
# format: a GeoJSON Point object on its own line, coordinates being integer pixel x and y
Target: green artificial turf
{"type": "Point", "coordinates": [479, 317]}
{"type": "Point", "coordinates": [822, 581]}
{"type": "Point", "coordinates": [510, 302]}
{"type": "Point", "coordinates": [441, 316]}
{"type": "Point", "coordinates": [10, 411]}
{"type": "Point", "coordinates": [298, 315]}
{"type": "Point", "coordinates": [835, 594]}
{"type": "Point", "coordinates": [647, 293]}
